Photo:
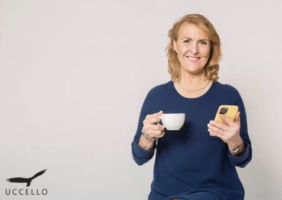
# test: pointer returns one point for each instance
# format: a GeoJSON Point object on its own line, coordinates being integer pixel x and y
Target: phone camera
{"type": "Point", "coordinates": [223, 110]}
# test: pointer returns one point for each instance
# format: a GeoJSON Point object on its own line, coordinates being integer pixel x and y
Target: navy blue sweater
{"type": "Point", "coordinates": [189, 163]}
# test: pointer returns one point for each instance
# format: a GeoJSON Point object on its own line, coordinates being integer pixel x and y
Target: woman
{"type": "Point", "coordinates": [199, 160]}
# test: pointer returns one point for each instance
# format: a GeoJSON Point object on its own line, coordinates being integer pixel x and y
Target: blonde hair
{"type": "Point", "coordinates": [212, 66]}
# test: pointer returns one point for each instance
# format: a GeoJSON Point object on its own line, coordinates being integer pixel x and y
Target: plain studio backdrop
{"type": "Point", "coordinates": [74, 74]}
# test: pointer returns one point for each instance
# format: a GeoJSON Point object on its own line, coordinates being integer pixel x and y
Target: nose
{"type": "Point", "coordinates": [194, 48]}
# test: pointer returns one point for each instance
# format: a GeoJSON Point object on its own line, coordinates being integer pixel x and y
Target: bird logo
{"type": "Point", "coordinates": [25, 180]}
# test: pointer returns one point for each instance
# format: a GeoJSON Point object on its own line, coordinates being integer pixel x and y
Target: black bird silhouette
{"type": "Point", "coordinates": [25, 180]}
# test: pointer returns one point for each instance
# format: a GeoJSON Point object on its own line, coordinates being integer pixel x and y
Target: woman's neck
{"type": "Point", "coordinates": [193, 82]}
{"type": "Point", "coordinates": [192, 86]}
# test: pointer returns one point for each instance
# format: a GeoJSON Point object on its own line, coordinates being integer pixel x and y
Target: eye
{"type": "Point", "coordinates": [203, 42]}
{"type": "Point", "coordinates": [186, 41]}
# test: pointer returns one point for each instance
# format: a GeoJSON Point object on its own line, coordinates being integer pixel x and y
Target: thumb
{"type": "Point", "coordinates": [237, 118]}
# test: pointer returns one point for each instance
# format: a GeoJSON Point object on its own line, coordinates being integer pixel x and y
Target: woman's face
{"type": "Point", "coordinates": [193, 48]}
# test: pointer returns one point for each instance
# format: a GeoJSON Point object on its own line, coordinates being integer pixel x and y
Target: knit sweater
{"type": "Point", "coordinates": [189, 163]}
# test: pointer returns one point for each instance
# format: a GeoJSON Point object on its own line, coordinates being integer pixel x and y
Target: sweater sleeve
{"type": "Point", "coordinates": [243, 160]}
{"type": "Point", "coordinates": [140, 155]}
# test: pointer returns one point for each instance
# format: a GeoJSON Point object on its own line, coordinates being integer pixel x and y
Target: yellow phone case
{"type": "Point", "coordinates": [229, 110]}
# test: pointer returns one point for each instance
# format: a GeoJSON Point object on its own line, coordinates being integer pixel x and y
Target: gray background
{"type": "Point", "coordinates": [73, 76]}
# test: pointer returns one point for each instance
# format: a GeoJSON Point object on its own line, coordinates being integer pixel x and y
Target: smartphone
{"type": "Point", "coordinates": [229, 110]}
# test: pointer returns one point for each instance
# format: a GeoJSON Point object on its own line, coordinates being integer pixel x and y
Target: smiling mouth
{"type": "Point", "coordinates": [193, 58]}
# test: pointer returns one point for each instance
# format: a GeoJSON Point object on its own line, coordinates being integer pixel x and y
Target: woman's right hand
{"type": "Point", "coordinates": [151, 126]}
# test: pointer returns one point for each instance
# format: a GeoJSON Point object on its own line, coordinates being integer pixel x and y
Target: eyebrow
{"type": "Point", "coordinates": [198, 40]}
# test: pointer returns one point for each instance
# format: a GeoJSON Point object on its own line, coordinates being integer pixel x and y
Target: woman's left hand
{"type": "Point", "coordinates": [229, 133]}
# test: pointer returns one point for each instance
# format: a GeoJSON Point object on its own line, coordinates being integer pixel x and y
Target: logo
{"type": "Point", "coordinates": [25, 180]}
{"type": "Point", "coordinates": [28, 182]}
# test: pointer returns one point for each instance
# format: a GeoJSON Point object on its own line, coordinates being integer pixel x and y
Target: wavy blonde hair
{"type": "Point", "coordinates": [212, 67]}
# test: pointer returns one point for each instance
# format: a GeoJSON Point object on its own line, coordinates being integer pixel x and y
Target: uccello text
{"type": "Point", "coordinates": [26, 192]}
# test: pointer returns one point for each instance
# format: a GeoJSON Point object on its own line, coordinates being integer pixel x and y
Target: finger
{"type": "Point", "coordinates": [213, 133]}
{"type": "Point", "coordinates": [155, 114]}
{"type": "Point", "coordinates": [237, 118]}
{"type": "Point", "coordinates": [227, 120]}
{"type": "Point", "coordinates": [156, 117]}
{"type": "Point", "coordinates": [160, 112]}
{"type": "Point", "coordinates": [162, 128]}
{"type": "Point", "coordinates": [215, 129]}
{"type": "Point", "coordinates": [154, 127]}
{"type": "Point", "coordinates": [216, 134]}
{"type": "Point", "coordinates": [218, 125]}
{"type": "Point", "coordinates": [152, 120]}
{"type": "Point", "coordinates": [163, 133]}
{"type": "Point", "coordinates": [154, 134]}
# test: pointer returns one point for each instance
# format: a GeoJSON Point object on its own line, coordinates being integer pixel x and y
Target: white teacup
{"type": "Point", "coordinates": [173, 121]}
